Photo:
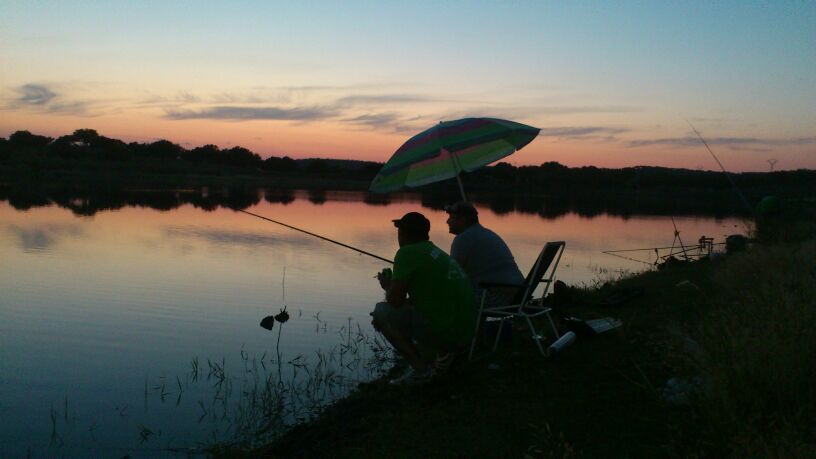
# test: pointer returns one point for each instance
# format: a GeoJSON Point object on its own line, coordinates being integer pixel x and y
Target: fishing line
{"type": "Point", "coordinates": [318, 236]}
{"type": "Point", "coordinates": [625, 257]}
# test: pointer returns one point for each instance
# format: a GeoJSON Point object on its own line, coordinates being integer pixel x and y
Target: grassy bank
{"type": "Point", "coordinates": [757, 357]}
{"type": "Point", "coordinates": [735, 333]}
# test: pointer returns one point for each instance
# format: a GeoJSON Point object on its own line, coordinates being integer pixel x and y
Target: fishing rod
{"type": "Point", "coordinates": [677, 238]}
{"type": "Point", "coordinates": [318, 236]}
{"type": "Point", "coordinates": [652, 248]}
{"type": "Point", "coordinates": [685, 251]}
{"type": "Point", "coordinates": [733, 185]}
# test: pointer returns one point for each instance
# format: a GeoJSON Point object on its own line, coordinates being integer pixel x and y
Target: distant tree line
{"type": "Point", "coordinates": [88, 144]}
{"type": "Point", "coordinates": [549, 178]}
{"type": "Point", "coordinates": [636, 178]}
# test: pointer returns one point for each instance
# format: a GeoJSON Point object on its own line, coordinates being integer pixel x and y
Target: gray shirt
{"type": "Point", "coordinates": [484, 256]}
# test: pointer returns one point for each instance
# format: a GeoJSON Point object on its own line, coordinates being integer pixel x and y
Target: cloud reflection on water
{"type": "Point", "coordinates": [238, 238]}
{"type": "Point", "coordinates": [37, 239]}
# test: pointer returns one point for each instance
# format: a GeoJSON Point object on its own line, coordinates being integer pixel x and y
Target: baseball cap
{"type": "Point", "coordinates": [462, 208]}
{"type": "Point", "coordinates": [414, 222]}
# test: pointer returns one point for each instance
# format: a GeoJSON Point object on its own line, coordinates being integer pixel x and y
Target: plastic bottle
{"type": "Point", "coordinates": [561, 343]}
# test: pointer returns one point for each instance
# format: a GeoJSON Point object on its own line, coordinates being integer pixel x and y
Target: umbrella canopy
{"type": "Point", "coordinates": [450, 148]}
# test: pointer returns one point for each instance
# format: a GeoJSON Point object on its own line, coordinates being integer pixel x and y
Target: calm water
{"type": "Point", "coordinates": [102, 317]}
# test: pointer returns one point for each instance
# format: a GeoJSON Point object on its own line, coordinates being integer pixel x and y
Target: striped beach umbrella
{"type": "Point", "coordinates": [450, 148]}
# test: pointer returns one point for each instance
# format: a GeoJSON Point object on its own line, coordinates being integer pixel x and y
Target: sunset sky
{"type": "Point", "coordinates": [610, 84]}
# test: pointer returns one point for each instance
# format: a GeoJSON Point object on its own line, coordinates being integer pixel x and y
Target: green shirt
{"type": "Point", "coordinates": [439, 289]}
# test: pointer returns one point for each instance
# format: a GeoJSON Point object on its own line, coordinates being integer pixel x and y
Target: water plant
{"type": "Point", "coordinates": [255, 398]}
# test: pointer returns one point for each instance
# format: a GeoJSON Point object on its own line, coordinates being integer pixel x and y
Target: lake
{"type": "Point", "coordinates": [135, 330]}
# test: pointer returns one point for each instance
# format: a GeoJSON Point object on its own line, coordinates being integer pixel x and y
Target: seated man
{"type": "Point", "coordinates": [439, 316]}
{"type": "Point", "coordinates": [482, 254]}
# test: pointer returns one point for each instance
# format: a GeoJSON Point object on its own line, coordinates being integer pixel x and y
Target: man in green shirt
{"type": "Point", "coordinates": [430, 310]}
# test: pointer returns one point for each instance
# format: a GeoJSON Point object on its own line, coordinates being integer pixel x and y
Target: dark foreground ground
{"type": "Point", "coordinates": [740, 326]}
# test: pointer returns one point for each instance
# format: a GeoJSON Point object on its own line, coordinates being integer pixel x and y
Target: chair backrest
{"type": "Point", "coordinates": [542, 271]}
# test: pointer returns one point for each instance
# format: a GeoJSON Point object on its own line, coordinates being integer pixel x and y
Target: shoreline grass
{"type": "Point", "coordinates": [757, 356]}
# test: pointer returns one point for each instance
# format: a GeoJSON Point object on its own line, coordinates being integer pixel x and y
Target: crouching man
{"type": "Point", "coordinates": [430, 313]}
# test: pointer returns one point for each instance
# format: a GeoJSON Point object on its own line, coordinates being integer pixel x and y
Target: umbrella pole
{"type": "Point", "coordinates": [458, 175]}
{"type": "Point", "coordinates": [461, 188]}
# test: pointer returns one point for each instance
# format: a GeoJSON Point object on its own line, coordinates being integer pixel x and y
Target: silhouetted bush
{"type": "Point", "coordinates": [66, 147]}
{"type": "Point", "coordinates": [25, 139]}
{"type": "Point", "coordinates": [285, 164]}
{"type": "Point", "coordinates": [316, 166]}
{"type": "Point", "coordinates": [785, 220]}
{"type": "Point", "coordinates": [105, 148]}
{"type": "Point", "coordinates": [207, 153]}
{"type": "Point", "coordinates": [160, 149]}
{"type": "Point", "coordinates": [241, 157]}
{"type": "Point", "coordinates": [88, 144]}
{"type": "Point", "coordinates": [5, 149]}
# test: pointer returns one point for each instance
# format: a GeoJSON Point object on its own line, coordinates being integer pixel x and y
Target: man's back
{"type": "Point", "coordinates": [485, 257]}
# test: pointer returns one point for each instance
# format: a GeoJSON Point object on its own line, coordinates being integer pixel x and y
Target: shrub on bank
{"type": "Point", "coordinates": [785, 220]}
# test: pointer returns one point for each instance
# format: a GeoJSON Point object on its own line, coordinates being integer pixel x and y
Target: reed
{"type": "Point", "coordinates": [256, 398]}
{"type": "Point", "coordinates": [53, 414]}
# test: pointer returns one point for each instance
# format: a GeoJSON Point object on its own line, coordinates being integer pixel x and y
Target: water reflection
{"type": "Point", "coordinates": [375, 199]}
{"type": "Point", "coordinates": [279, 196]}
{"type": "Point", "coordinates": [317, 196]}
{"type": "Point", "coordinates": [240, 238]}
{"type": "Point", "coordinates": [43, 237]}
{"type": "Point", "coordinates": [87, 203]}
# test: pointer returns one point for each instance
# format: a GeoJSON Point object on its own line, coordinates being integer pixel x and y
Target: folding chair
{"type": "Point", "coordinates": [523, 306]}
